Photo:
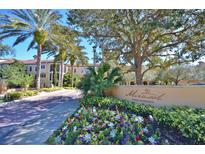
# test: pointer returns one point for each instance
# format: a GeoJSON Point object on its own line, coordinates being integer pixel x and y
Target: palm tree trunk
{"type": "Point", "coordinates": [72, 76]}
{"type": "Point", "coordinates": [55, 73]}
{"type": "Point", "coordinates": [38, 75]}
{"type": "Point", "coordinates": [62, 73]}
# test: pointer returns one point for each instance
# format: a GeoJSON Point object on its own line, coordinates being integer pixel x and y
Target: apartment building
{"type": "Point", "coordinates": [47, 67]}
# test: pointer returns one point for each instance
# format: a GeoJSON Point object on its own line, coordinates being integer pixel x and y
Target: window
{"type": "Point", "coordinates": [43, 75]}
{"type": "Point", "coordinates": [30, 68]}
{"type": "Point", "coordinates": [51, 67]}
{"type": "Point", "coordinates": [74, 70]}
{"type": "Point", "coordinates": [51, 77]}
{"type": "Point", "coordinates": [43, 66]}
{"type": "Point", "coordinates": [36, 68]}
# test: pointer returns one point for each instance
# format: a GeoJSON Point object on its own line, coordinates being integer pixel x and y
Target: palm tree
{"type": "Point", "coordinates": [5, 50]}
{"type": "Point", "coordinates": [62, 56]}
{"type": "Point", "coordinates": [24, 24]}
{"type": "Point", "coordinates": [77, 54]}
{"type": "Point", "coordinates": [65, 46]}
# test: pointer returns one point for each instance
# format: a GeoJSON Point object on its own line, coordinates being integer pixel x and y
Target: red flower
{"type": "Point", "coordinates": [138, 138]}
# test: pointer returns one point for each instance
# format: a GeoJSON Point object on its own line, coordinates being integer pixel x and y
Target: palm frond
{"type": "Point", "coordinates": [31, 45]}
{"type": "Point", "coordinates": [21, 38]}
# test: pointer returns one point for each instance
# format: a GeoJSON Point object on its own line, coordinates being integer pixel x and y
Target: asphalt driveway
{"type": "Point", "coordinates": [32, 120]}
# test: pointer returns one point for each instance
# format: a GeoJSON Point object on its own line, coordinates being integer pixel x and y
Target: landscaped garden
{"type": "Point", "coordinates": [22, 94]}
{"type": "Point", "coordinates": [112, 121]}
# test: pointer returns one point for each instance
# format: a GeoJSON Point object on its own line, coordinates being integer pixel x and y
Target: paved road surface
{"type": "Point", "coordinates": [32, 120]}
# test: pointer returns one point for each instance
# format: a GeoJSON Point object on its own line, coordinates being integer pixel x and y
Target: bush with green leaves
{"type": "Point", "coordinates": [15, 75]}
{"type": "Point", "coordinates": [67, 81]}
{"type": "Point", "coordinates": [189, 122]}
{"type": "Point", "coordinates": [97, 80]}
{"type": "Point", "coordinates": [19, 94]}
{"type": "Point", "coordinates": [50, 89]}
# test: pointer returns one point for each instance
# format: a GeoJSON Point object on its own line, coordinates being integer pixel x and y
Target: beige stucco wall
{"type": "Point", "coordinates": [162, 95]}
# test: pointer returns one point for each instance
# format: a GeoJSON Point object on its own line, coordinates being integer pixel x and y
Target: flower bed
{"type": "Point", "coordinates": [113, 121]}
{"type": "Point", "coordinates": [100, 126]}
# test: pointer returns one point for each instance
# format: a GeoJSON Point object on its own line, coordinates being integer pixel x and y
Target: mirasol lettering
{"type": "Point", "coordinates": [146, 94]}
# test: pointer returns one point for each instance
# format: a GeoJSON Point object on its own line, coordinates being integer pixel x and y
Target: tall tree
{"type": "Point", "coordinates": [155, 38]}
{"type": "Point", "coordinates": [64, 45]}
{"type": "Point", "coordinates": [24, 24]}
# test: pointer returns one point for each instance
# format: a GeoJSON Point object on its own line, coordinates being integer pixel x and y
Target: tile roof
{"type": "Point", "coordinates": [32, 61]}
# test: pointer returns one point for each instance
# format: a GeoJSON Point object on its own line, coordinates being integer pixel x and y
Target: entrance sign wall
{"type": "Point", "coordinates": [161, 95]}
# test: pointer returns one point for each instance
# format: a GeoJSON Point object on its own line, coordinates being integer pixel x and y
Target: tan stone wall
{"type": "Point", "coordinates": [161, 95]}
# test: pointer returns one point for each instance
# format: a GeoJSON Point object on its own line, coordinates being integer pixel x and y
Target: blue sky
{"type": "Point", "coordinates": [21, 52]}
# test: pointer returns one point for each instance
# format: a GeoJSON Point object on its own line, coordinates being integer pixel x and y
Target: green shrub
{"type": "Point", "coordinates": [50, 89]}
{"type": "Point", "coordinates": [29, 93]}
{"type": "Point", "coordinates": [19, 94]}
{"type": "Point", "coordinates": [188, 121]}
{"type": "Point", "coordinates": [67, 81]}
{"type": "Point", "coordinates": [97, 80]}
{"type": "Point", "coordinates": [13, 96]}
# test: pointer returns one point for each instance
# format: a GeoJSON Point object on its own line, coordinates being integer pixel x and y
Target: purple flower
{"type": "Point", "coordinates": [88, 137]}
{"type": "Point", "coordinates": [76, 115]}
{"type": "Point", "coordinates": [89, 127]}
{"type": "Point", "coordinates": [152, 140]}
{"type": "Point", "coordinates": [117, 117]}
{"type": "Point", "coordinates": [94, 119]}
{"type": "Point", "coordinates": [145, 130]}
{"type": "Point", "coordinates": [75, 128]}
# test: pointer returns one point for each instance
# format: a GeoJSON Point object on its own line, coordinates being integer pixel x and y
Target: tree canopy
{"type": "Point", "coordinates": [154, 38]}
{"type": "Point", "coordinates": [15, 75]}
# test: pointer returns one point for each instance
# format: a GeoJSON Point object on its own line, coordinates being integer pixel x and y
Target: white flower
{"type": "Point", "coordinates": [88, 137]}
{"type": "Point", "coordinates": [75, 128]}
{"type": "Point", "coordinates": [117, 117]}
{"type": "Point", "coordinates": [203, 116]}
{"type": "Point", "coordinates": [113, 133]}
{"type": "Point", "coordinates": [145, 130]}
{"type": "Point", "coordinates": [133, 115]}
{"type": "Point", "coordinates": [112, 112]}
{"type": "Point", "coordinates": [80, 110]}
{"type": "Point", "coordinates": [139, 119]}
{"type": "Point", "coordinates": [152, 140]}
{"type": "Point", "coordinates": [64, 128]}
{"type": "Point", "coordinates": [94, 110]}
{"type": "Point", "coordinates": [111, 124]}
{"type": "Point", "coordinates": [151, 118]}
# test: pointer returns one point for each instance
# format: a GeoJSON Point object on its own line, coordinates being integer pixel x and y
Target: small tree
{"type": "Point", "coordinates": [15, 75]}
{"type": "Point", "coordinates": [174, 74]}
{"type": "Point", "coordinates": [71, 80]}
{"type": "Point", "coordinates": [27, 81]}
